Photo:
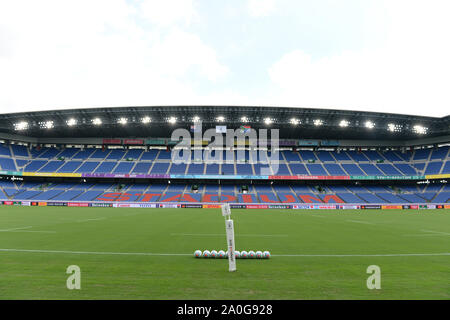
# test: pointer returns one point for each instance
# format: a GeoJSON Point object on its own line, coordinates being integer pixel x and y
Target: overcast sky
{"type": "Point", "coordinates": [386, 56]}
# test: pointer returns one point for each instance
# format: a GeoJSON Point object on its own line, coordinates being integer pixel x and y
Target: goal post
{"type": "Point", "coordinates": [229, 227]}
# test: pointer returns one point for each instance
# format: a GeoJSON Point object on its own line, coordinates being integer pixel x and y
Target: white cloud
{"type": "Point", "coordinates": [260, 8]}
{"type": "Point", "coordinates": [408, 74]}
{"type": "Point", "coordinates": [180, 51]}
{"type": "Point", "coordinates": [78, 54]}
{"type": "Point", "coordinates": [167, 12]}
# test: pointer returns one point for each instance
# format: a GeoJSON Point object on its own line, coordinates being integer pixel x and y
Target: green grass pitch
{"type": "Point", "coordinates": [330, 252]}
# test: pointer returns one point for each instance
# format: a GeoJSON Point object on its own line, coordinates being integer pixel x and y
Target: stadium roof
{"type": "Point", "coordinates": [160, 121]}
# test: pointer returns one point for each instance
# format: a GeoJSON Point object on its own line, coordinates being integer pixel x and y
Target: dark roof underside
{"type": "Point", "coordinates": [281, 116]}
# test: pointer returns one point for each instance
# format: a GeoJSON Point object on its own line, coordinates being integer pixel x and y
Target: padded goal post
{"type": "Point", "coordinates": [229, 228]}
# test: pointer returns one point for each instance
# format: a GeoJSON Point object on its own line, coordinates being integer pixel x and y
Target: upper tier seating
{"type": "Point", "coordinates": [158, 161]}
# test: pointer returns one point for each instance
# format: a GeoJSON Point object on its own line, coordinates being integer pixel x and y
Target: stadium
{"type": "Point", "coordinates": [99, 188]}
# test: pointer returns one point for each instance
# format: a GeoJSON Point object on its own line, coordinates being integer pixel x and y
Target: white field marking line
{"type": "Point", "coordinates": [357, 221]}
{"type": "Point", "coordinates": [97, 252]}
{"type": "Point", "coordinates": [190, 254]}
{"type": "Point", "coordinates": [317, 216]}
{"type": "Point", "coordinates": [363, 255]}
{"type": "Point", "coordinates": [425, 235]}
{"type": "Point", "coordinates": [12, 229]}
{"type": "Point", "coordinates": [437, 232]}
{"type": "Point", "coordinates": [222, 235]}
{"type": "Point", "coordinates": [94, 219]}
{"type": "Point", "coordinates": [33, 231]}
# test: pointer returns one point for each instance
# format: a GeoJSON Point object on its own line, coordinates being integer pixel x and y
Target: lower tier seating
{"type": "Point", "coordinates": [235, 193]}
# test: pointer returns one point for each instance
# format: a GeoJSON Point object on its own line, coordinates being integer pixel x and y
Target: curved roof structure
{"type": "Point", "coordinates": [154, 121]}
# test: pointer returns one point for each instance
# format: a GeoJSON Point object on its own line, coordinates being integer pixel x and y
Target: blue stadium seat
{"type": "Point", "coordinates": [195, 168]}
{"type": "Point", "coordinates": [160, 168]}
{"type": "Point", "coordinates": [307, 155]}
{"type": "Point", "coordinates": [443, 197]}
{"type": "Point", "coordinates": [49, 154]}
{"type": "Point", "coordinates": [87, 167]}
{"type": "Point", "coordinates": [35, 165]}
{"type": "Point", "coordinates": [69, 166]}
{"type": "Point", "coordinates": [133, 154]}
{"type": "Point", "coordinates": [149, 155]}
{"type": "Point", "coordinates": [325, 156]}
{"type": "Point", "coordinates": [19, 150]}
{"type": "Point", "coordinates": [352, 169]}
{"type": "Point", "coordinates": [392, 156]}
{"type": "Point", "coordinates": [244, 169]}
{"type": "Point", "coordinates": [422, 154]}
{"type": "Point", "coordinates": [282, 169]}
{"type": "Point", "coordinates": [142, 168]}
{"type": "Point", "coordinates": [178, 168]}
{"type": "Point", "coordinates": [316, 169]}
{"type": "Point", "coordinates": [371, 170]}
{"type": "Point", "coordinates": [434, 167]}
{"type": "Point", "coordinates": [68, 152]}
{"type": "Point", "coordinates": [48, 195]}
{"type": "Point", "coordinates": [350, 197]}
{"type": "Point", "coordinates": [298, 169]}
{"type": "Point", "coordinates": [116, 154]}
{"type": "Point", "coordinates": [88, 195]}
{"type": "Point", "coordinates": [446, 168]}
{"type": "Point", "coordinates": [124, 167]}
{"type": "Point", "coordinates": [389, 169]}
{"type": "Point", "coordinates": [334, 169]}
{"type": "Point", "coordinates": [7, 164]}
{"type": "Point", "coordinates": [4, 150]}
{"type": "Point", "coordinates": [406, 169]}
{"type": "Point", "coordinates": [291, 156]}
{"type": "Point", "coordinates": [100, 154]}
{"type": "Point", "coordinates": [51, 166]}
{"type": "Point", "coordinates": [84, 154]}
{"type": "Point", "coordinates": [357, 156]}
{"type": "Point", "coordinates": [440, 153]}
{"type": "Point", "coordinates": [373, 155]}
{"type": "Point", "coordinates": [105, 167]}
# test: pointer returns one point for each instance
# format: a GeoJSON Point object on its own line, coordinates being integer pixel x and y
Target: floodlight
{"type": "Point", "coordinates": [97, 121]}
{"type": "Point", "coordinates": [268, 121]}
{"type": "Point", "coordinates": [122, 121]}
{"type": "Point", "coordinates": [220, 119]}
{"type": "Point", "coordinates": [172, 120]}
{"type": "Point", "coordinates": [392, 127]}
{"type": "Point", "coordinates": [294, 121]}
{"type": "Point", "coordinates": [420, 129]}
{"type": "Point", "coordinates": [21, 125]}
{"type": "Point", "coordinates": [369, 125]}
{"type": "Point", "coordinates": [244, 119]}
{"type": "Point", "coordinates": [146, 120]}
{"type": "Point", "coordinates": [344, 123]}
{"type": "Point", "coordinates": [318, 122]}
{"type": "Point", "coordinates": [71, 122]}
{"type": "Point", "coordinates": [48, 124]}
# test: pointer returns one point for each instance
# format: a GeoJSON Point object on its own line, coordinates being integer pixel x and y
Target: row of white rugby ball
{"type": "Point", "coordinates": [238, 254]}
